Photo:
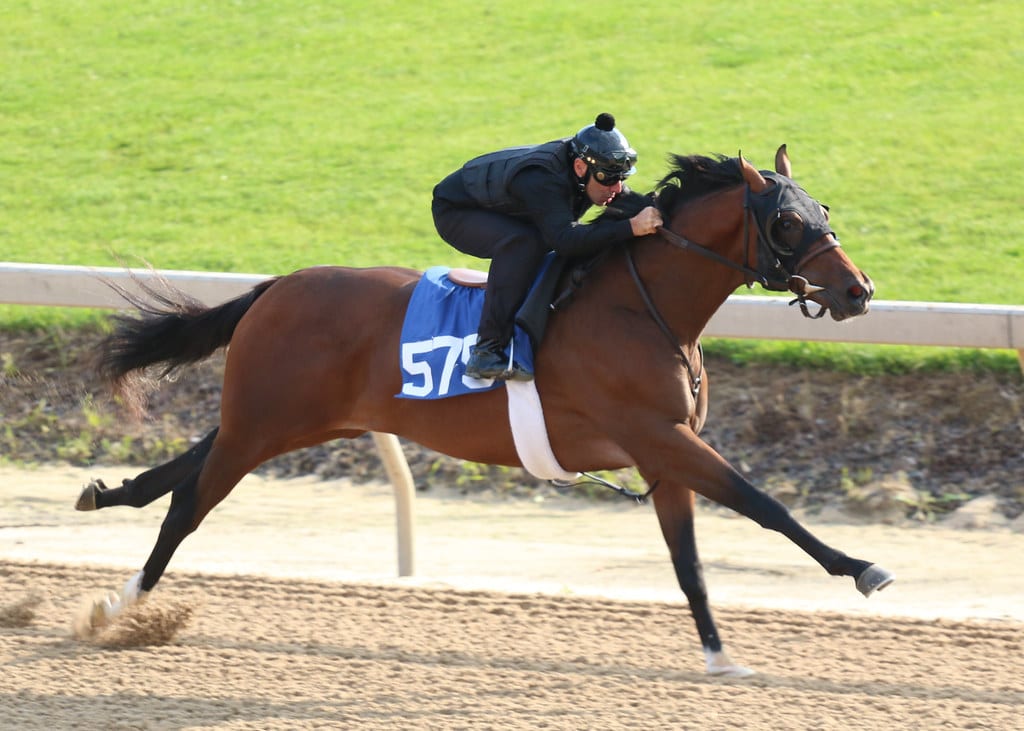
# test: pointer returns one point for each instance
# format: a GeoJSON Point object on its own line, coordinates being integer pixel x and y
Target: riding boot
{"type": "Point", "coordinates": [487, 359]}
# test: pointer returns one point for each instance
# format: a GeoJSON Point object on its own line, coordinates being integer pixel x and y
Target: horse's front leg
{"type": "Point", "coordinates": [674, 505]}
{"type": "Point", "coordinates": [671, 453]}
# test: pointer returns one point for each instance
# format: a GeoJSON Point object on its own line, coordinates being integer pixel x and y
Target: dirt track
{"type": "Point", "coordinates": [273, 654]}
{"type": "Point", "coordinates": [241, 651]}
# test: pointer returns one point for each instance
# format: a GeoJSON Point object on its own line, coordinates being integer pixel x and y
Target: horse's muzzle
{"type": "Point", "coordinates": [853, 301]}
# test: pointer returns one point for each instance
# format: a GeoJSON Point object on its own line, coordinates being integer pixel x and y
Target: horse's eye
{"type": "Point", "coordinates": [786, 233]}
{"type": "Point", "coordinates": [788, 223]}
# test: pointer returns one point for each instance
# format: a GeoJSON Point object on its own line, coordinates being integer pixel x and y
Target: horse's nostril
{"type": "Point", "coordinates": [857, 292]}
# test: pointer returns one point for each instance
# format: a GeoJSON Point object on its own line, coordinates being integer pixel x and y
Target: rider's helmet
{"type": "Point", "coordinates": [604, 149]}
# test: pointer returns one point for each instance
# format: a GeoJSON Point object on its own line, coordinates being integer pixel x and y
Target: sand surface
{"type": "Point", "coordinates": [284, 611]}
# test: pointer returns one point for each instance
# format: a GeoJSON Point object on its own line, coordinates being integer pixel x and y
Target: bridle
{"type": "Point", "coordinates": [772, 258]}
{"type": "Point", "coordinates": [772, 273]}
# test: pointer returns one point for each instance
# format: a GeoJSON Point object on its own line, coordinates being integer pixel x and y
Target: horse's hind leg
{"type": "Point", "coordinates": [674, 505]}
{"type": "Point", "coordinates": [210, 481]}
{"type": "Point", "coordinates": [191, 501]}
{"type": "Point", "coordinates": [148, 486]}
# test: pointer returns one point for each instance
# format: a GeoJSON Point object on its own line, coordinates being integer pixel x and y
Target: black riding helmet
{"type": "Point", "coordinates": [604, 149]}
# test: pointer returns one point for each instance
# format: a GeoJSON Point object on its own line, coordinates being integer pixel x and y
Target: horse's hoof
{"type": "Point", "coordinates": [95, 615]}
{"type": "Point", "coordinates": [720, 665]}
{"type": "Point", "coordinates": [874, 578]}
{"type": "Point", "coordinates": [87, 499]}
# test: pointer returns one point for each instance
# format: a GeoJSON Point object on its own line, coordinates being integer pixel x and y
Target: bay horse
{"type": "Point", "coordinates": [314, 356]}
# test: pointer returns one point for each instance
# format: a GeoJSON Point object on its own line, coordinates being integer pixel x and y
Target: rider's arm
{"type": "Point", "coordinates": [548, 204]}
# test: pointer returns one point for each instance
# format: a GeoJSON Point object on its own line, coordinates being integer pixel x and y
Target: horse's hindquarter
{"type": "Point", "coordinates": [311, 347]}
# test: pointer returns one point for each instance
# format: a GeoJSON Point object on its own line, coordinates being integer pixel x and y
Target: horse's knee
{"type": "Point", "coordinates": [772, 514]}
{"type": "Point", "coordinates": [760, 507]}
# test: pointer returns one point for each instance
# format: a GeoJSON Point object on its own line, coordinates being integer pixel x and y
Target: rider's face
{"type": "Point", "coordinates": [602, 195]}
{"type": "Point", "coordinates": [599, 195]}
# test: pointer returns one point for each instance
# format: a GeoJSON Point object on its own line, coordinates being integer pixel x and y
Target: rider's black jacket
{"type": "Point", "coordinates": [536, 184]}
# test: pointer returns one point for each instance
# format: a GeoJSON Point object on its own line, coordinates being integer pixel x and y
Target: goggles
{"type": "Point", "coordinates": [609, 179]}
{"type": "Point", "coordinates": [613, 167]}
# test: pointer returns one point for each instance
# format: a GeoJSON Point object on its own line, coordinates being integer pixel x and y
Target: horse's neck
{"type": "Point", "coordinates": [686, 287]}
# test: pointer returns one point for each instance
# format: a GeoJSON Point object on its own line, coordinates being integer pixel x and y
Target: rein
{"type": "Point", "coordinates": [652, 309]}
{"type": "Point", "coordinates": [684, 243]}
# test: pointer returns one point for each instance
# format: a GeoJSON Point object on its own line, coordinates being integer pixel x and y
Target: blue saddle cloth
{"type": "Point", "coordinates": [438, 332]}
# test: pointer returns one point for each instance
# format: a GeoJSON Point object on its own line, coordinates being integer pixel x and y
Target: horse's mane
{"type": "Point", "coordinates": [690, 177]}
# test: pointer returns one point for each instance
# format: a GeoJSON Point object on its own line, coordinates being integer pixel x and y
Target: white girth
{"type": "Point", "coordinates": [526, 417]}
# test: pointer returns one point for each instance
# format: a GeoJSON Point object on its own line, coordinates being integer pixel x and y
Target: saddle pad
{"type": "Point", "coordinates": [438, 332]}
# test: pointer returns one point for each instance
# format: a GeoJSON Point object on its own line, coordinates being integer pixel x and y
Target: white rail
{"type": "Point", "coordinates": [742, 316]}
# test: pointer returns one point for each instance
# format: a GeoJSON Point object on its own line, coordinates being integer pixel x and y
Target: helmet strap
{"type": "Point", "coordinates": [581, 180]}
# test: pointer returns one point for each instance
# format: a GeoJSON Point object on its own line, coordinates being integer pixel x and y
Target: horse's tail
{"type": "Point", "coordinates": [171, 329]}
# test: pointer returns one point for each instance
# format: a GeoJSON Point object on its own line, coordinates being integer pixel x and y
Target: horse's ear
{"type": "Point", "coordinates": [754, 179]}
{"type": "Point", "coordinates": [782, 166]}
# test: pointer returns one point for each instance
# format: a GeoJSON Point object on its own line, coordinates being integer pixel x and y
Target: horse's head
{"type": "Point", "coordinates": [791, 248]}
{"type": "Point", "coordinates": [797, 250]}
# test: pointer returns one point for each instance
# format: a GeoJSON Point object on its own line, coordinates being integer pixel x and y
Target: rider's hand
{"type": "Point", "coordinates": [646, 221]}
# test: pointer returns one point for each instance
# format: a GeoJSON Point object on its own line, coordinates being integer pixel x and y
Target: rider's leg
{"type": "Point", "coordinates": [516, 251]}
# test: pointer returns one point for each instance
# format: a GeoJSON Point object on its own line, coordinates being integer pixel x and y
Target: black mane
{"type": "Point", "coordinates": [691, 176]}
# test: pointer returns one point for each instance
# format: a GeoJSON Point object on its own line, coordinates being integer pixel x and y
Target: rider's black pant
{"type": "Point", "coordinates": [516, 251]}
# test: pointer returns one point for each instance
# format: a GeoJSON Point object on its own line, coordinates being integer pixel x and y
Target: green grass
{"type": "Point", "coordinates": [858, 359]}
{"type": "Point", "coordinates": [264, 137]}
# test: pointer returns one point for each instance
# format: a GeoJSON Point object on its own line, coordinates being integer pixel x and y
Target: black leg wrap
{"type": "Point", "coordinates": [843, 565]}
{"type": "Point", "coordinates": [176, 526]}
{"type": "Point", "coordinates": [157, 482]}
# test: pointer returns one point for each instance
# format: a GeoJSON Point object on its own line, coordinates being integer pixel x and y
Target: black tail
{"type": "Point", "coordinates": [171, 328]}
